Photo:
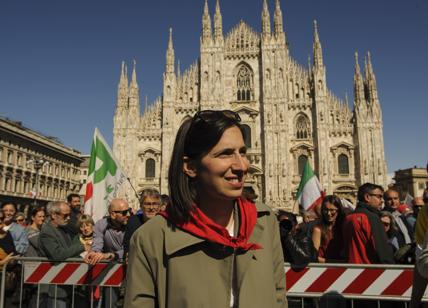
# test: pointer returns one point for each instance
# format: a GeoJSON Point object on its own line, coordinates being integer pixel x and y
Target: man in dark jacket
{"type": "Point", "coordinates": [363, 234]}
{"type": "Point", "coordinates": [150, 203]}
{"type": "Point", "coordinates": [57, 244]}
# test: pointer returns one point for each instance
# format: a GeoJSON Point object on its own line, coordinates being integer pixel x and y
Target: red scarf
{"type": "Point", "coordinates": [202, 226]}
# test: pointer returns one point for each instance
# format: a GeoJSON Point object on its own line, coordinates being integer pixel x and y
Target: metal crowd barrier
{"type": "Point", "coordinates": [351, 282]}
{"type": "Point", "coordinates": [81, 284]}
{"type": "Point", "coordinates": [316, 281]}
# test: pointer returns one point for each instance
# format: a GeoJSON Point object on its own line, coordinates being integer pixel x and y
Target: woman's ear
{"type": "Point", "coordinates": [189, 167]}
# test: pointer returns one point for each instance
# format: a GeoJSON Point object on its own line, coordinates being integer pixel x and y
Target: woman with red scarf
{"type": "Point", "coordinates": [211, 248]}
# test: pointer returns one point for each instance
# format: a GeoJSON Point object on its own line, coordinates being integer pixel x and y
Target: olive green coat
{"type": "Point", "coordinates": [171, 268]}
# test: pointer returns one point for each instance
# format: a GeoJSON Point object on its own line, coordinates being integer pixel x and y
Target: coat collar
{"type": "Point", "coordinates": [176, 239]}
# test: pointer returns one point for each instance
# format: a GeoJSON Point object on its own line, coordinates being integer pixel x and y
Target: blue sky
{"type": "Point", "coordinates": [60, 60]}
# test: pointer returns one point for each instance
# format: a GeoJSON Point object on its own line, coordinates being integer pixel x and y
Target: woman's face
{"type": "Point", "coordinates": [20, 219]}
{"type": "Point", "coordinates": [86, 229]}
{"type": "Point", "coordinates": [39, 218]}
{"type": "Point", "coordinates": [221, 172]}
{"type": "Point", "coordinates": [330, 212]}
{"type": "Point", "coordinates": [9, 213]}
{"type": "Point", "coordinates": [386, 222]}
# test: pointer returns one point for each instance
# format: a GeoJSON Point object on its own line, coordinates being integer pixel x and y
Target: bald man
{"type": "Point", "coordinates": [108, 242]}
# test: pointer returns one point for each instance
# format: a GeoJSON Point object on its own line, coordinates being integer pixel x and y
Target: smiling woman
{"type": "Point", "coordinates": [215, 247]}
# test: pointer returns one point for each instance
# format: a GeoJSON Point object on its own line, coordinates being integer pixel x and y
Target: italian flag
{"type": "Point", "coordinates": [104, 178]}
{"type": "Point", "coordinates": [310, 192]}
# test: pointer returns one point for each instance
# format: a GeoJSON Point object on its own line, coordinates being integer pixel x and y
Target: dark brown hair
{"type": "Point", "coordinates": [195, 138]}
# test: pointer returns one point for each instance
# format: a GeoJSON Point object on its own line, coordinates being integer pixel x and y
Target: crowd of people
{"type": "Point", "coordinates": [210, 223]}
{"type": "Point", "coordinates": [378, 230]}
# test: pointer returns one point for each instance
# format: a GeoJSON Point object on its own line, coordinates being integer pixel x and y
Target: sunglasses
{"type": "Point", "coordinates": [204, 118]}
{"type": "Point", "coordinates": [386, 224]}
{"type": "Point", "coordinates": [215, 115]}
{"type": "Point", "coordinates": [124, 212]}
{"type": "Point", "coordinates": [20, 220]}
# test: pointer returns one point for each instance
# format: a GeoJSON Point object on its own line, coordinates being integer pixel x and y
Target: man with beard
{"type": "Point", "coordinates": [57, 244]}
{"type": "Point", "coordinates": [73, 201]}
{"type": "Point", "coordinates": [364, 237]}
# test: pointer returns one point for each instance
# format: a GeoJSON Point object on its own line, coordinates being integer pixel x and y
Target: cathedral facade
{"type": "Point", "coordinates": [289, 114]}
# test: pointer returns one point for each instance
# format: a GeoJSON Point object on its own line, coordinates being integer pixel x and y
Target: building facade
{"type": "Point", "coordinates": [34, 166]}
{"type": "Point", "coordinates": [411, 181]}
{"type": "Point", "coordinates": [289, 114]}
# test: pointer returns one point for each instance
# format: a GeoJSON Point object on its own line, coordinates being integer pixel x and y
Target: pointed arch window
{"type": "Point", "coordinates": [150, 168]}
{"type": "Point", "coordinates": [303, 130]}
{"type": "Point", "coordinates": [301, 161]}
{"type": "Point", "coordinates": [343, 164]}
{"type": "Point", "coordinates": [244, 84]}
{"type": "Point", "coordinates": [247, 135]}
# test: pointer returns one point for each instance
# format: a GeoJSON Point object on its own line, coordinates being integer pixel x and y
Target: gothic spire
{"type": "Point", "coordinates": [218, 22]}
{"type": "Point", "coordinates": [265, 19]}
{"type": "Point", "coordinates": [358, 82]}
{"type": "Point", "coordinates": [278, 19]}
{"type": "Point", "coordinates": [134, 84]}
{"type": "Point", "coordinates": [318, 57]}
{"type": "Point", "coordinates": [170, 55]}
{"type": "Point", "coordinates": [123, 81]}
{"type": "Point", "coordinates": [122, 91]}
{"type": "Point", "coordinates": [206, 23]}
{"type": "Point", "coordinates": [178, 69]}
{"type": "Point", "coordinates": [370, 79]}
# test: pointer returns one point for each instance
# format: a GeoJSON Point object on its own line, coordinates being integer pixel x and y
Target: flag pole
{"type": "Point", "coordinates": [132, 186]}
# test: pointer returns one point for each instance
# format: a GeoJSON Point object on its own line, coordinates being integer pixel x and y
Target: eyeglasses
{"type": "Point", "coordinates": [333, 211]}
{"type": "Point", "coordinates": [379, 196]}
{"type": "Point", "coordinates": [124, 212]}
{"type": "Point", "coordinates": [154, 204]}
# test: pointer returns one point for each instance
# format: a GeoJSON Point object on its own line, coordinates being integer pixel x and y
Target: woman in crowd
{"type": "Point", "coordinates": [19, 234]}
{"type": "Point", "coordinates": [37, 219]}
{"type": "Point", "coordinates": [391, 230]}
{"type": "Point", "coordinates": [7, 248]}
{"type": "Point", "coordinates": [327, 233]}
{"type": "Point", "coordinates": [7, 251]}
{"type": "Point", "coordinates": [20, 219]}
{"type": "Point", "coordinates": [85, 224]}
{"type": "Point", "coordinates": [211, 248]}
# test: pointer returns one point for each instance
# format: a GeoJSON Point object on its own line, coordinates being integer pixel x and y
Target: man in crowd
{"type": "Point", "coordinates": [364, 237]}
{"type": "Point", "coordinates": [392, 203]}
{"type": "Point", "coordinates": [56, 243]}
{"type": "Point", "coordinates": [150, 203]}
{"type": "Point", "coordinates": [73, 201]}
{"type": "Point", "coordinates": [108, 241]}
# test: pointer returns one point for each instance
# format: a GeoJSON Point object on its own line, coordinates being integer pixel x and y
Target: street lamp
{"type": "Point", "coordinates": [38, 165]}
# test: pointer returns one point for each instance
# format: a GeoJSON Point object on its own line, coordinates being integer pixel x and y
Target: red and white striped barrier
{"type": "Point", "coordinates": [74, 273]}
{"type": "Point", "coordinates": [351, 281]}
